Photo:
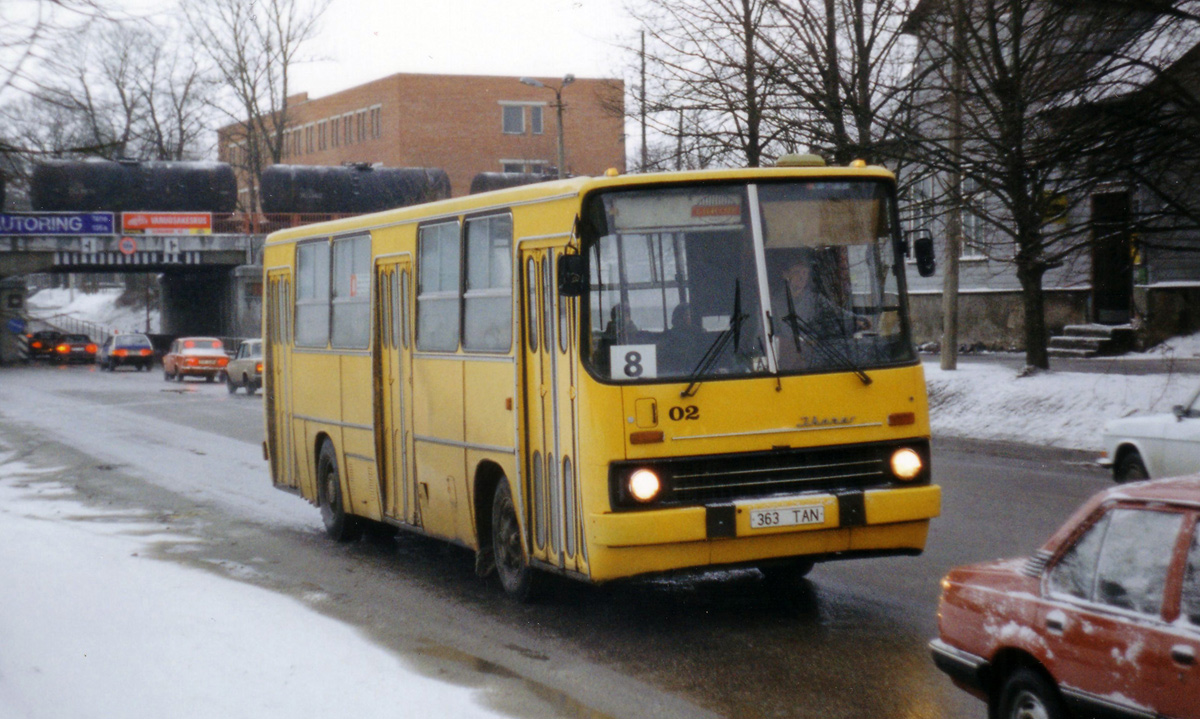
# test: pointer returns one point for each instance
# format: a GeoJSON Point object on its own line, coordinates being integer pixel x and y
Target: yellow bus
{"type": "Point", "coordinates": [610, 377]}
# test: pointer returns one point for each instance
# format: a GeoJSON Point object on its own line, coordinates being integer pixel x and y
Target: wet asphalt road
{"type": "Point", "coordinates": [850, 643]}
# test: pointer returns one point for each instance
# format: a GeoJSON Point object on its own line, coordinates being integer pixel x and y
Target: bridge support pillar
{"type": "Point", "coordinates": [12, 321]}
{"type": "Point", "coordinates": [247, 288]}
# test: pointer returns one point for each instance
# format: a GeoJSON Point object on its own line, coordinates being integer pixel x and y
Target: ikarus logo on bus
{"type": "Point", "coordinates": [814, 421]}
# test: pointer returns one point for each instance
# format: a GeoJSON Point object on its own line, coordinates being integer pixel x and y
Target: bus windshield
{"type": "Point", "coordinates": [693, 283]}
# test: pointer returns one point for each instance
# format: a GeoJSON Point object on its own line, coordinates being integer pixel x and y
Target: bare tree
{"type": "Point", "coordinates": [254, 44]}
{"type": "Point", "coordinates": [1022, 163]}
{"type": "Point", "coordinates": [848, 64]}
{"type": "Point", "coordinates": [708, 68]}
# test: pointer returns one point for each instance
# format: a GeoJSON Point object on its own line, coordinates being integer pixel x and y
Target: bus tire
{"type": "Point", "coordinates": [340, 527]}
{"type": "Point", "coordinates": [1131, 468]}
{"type": "Point", "coordinates": [517, 578]}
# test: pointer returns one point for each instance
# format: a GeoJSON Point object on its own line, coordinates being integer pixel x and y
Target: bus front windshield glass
{"type": "Point", "coordinates": [694, 283]}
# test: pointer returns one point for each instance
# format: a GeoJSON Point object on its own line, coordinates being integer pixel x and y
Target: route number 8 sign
{"type": "Point", "coordinates": [633, 361]}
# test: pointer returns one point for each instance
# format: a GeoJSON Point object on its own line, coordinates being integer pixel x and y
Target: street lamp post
{"type": "Point", "coordinates": [558, 105]}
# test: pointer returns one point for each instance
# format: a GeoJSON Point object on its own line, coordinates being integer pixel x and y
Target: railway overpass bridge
{"type": "Point", "coordinates": [210, 273]}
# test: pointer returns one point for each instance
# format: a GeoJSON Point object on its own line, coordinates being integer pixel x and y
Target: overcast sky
{"type": "Point", "coordinates": [368, 39]}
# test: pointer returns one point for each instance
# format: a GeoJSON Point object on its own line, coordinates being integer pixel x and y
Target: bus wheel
{"type": "Point", "coordinates": [339, 526]}
{"type": "Point", "coordinates": [518, 579]}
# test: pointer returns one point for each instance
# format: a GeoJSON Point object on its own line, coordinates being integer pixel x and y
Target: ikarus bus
{"type": "Point", "coordinates": [610, 377]}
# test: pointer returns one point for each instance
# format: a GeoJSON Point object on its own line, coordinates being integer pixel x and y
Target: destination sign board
{"type": "Point", "coordinates": [166, 223]}
{"type": "Point", "coordinates": [56, 223]}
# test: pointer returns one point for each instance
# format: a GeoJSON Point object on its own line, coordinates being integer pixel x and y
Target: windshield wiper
{"type": "Point", "coordinates": [733, 331]}
{"type": "Point", "coordinates": [827, 351]}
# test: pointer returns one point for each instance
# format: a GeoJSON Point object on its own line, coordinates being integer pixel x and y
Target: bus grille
{"type": "Point", "coordinates": [703, 480]}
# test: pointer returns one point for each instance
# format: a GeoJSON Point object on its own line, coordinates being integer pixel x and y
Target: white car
{"type": "Point", "coordinates": [1157, 445]}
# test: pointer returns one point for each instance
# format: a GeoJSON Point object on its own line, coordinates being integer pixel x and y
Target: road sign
{"type": "Point", "coordinates": [56, 223]}
{"type": "Point", "coordinates": [166, 223]}
{"type": "Point", "coordinates": [128, 246]}
{"type": "Point", "coordinates": [16, 325]}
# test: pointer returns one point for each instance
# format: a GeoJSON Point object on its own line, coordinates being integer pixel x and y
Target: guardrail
{"type": "Point", "coordinates": [65, 323]}
{"type": "Point", "coordinates": [264, 223]}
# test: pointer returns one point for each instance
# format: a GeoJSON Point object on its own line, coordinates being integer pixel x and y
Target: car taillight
{"type": "Point", "coordinates": [91, 349]}
{"type": "Point", "coordinates": [258, 367]}
{"type": "Point", "coordinates": [145, 352]}
{"type": "Point", "coordinates": [63, 349]}
{"type": "Point", "coordinates": [36, 345]}
{"type": "Point", "coordinates": [121, 353]}
{"type": "Point", "coordinates": [221, 362]}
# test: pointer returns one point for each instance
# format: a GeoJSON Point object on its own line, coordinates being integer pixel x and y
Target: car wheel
{"type": "Point", "coordinates": [1131, 468]}
{"type": "Point", "coordinates": [177, 375]}
{"type": "Point", "coordinates": [112, 366]}
{"type": "Point", "coordinates": [251, 387]}
{"type": "Point", "coordinates": [229, 385]}
{"type": "Point", "coordinates": [519, 580]}
{"type": "Point", "coordinates": [210, 378]}
{"type": "Point", "coordinates": [340, 526]}
{"type": "Point", "coordinates": [1026, 694]}
{"type": "Point", "coordinates": [166, 375]}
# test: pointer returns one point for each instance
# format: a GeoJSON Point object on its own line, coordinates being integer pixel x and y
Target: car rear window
{"type": "Point", "coordinates": [202, 344]}
{"type": "Point", "coordinates": [77, 338]}
{"type": "Point", "coordinates": [133, 340]}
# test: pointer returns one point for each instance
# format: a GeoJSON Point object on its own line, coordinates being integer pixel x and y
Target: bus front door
{"type": "Point", "coordinates": [393, 378]}
{"type": "Point", "coordinates": [550, 489]}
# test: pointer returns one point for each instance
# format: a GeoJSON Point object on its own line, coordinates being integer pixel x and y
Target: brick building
{"type": "Point", "coordinates": [463, 124]}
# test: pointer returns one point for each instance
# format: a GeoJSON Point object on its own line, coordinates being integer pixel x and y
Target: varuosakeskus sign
{"type": "Point", "coordinates": [57, 223]}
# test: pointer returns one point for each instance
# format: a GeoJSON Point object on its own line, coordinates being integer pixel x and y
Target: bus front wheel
{"type": "Point", "coordinates": [518, 579]}
{"type": "Point", "coordinates": [340, 527]}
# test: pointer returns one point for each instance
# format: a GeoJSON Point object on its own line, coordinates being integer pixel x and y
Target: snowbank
{"type": "Point", "coordinates": [98, 308]}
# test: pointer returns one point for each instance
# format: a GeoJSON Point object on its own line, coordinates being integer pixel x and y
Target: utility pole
{"type": "Point", "coordinates": [642, 92]}
{"type": "Point", "coordinates": [954, 224]}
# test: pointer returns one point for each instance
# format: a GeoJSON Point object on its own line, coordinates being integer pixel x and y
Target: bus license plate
{"type": "Point", "coordinates": [787, 516]}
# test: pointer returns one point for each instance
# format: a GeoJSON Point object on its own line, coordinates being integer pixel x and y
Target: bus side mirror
{"type": "Point", "coordinates": [572, 275]}
{"type": "Point", "coordinates": [922, 247]}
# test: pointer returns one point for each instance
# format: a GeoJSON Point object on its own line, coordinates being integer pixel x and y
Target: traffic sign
{"type": "Point", "coordinates": [16, 325]}
{"type": "Point", "coordinates": [128, 246]}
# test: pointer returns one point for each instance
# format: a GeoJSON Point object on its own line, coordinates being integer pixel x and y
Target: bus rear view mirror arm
{"type": "Point", "coordinates": [572, 275]}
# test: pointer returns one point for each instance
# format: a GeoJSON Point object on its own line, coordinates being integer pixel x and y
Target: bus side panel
{"type": "Point", "coordinates": [489, 419]}
{"type": "Point", "coordinates": [601, 440]}
{"type": "Point", "coordinates": [316, 410]}
{"type": "Point", "coordinates": [439, 452]}
{"type": "Point", "coordinates": [358, 437]}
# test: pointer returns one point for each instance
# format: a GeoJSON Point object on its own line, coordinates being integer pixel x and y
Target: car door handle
{"type": "Point", "coordinates": [1183, 654]}
{"type": "Point", "coordinates": [1056, 621]}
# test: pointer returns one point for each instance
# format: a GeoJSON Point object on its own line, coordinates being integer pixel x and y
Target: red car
{"type": "Point", "coordinates": [195, 357]}
{"type": "Point", "coordinates": [1104, 620]}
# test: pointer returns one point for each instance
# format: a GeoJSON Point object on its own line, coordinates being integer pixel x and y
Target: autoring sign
{"type": "Point", "coordinates": [57, 223]}
{"type": "Point", "coordinates": [166, 223]}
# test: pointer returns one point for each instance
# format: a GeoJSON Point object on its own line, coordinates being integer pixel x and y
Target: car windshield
{"type": "Point", "coordinates": [736, 280]}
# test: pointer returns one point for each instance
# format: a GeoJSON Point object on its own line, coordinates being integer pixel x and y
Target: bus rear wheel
{"type": "Point", "coordinates": [519, 580]}
{"type": "Point", "coordinates": [340, 527]}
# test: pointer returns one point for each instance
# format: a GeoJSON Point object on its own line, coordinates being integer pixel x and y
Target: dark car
{"type": "Point", "coordinates": [126, 350]}
{"type": "Point", "coordinates": [1104, 620]}
{"type": "Point", "coordinates": [42, 344]}
{"type": "Point", "coordinates": [75, 348]}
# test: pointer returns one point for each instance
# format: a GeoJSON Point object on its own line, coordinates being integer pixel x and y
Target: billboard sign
{"type": "Point", "coordinates": [166, 223]}
{"type": "Point", "coordinates": [56, 223]}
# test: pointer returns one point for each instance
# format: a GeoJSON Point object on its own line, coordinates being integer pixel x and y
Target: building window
{"type": "Point", "coordinates": [322, 135]}
{"type": "Point", "coordinates": [487, 302]}
{"type": "Point", "coordinates": [514, 119]}
{"type": "Point", "coordinates": [535, 167]}
{"type": "Point", "coordinates": [376, 122]}
{"type": "Point", "coordinates": [334, 128]}
{"type": "Point", "coordinates": [438, 266]}
{"type": "Point", "coordinates": [309, 145]}
{"type": "Point", "coordinates": [347, 128]}
{"type": "Point", "coordinates": [361, 122]}
{"type": "Point", "coordinates": [535, 119]}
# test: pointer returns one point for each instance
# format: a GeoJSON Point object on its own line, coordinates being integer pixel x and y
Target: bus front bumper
{"type": "Point", "coordinates": [893, 520]}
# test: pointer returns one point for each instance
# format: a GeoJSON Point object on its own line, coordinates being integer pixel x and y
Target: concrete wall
{"type": "Point", "coordinates": [994, 320]}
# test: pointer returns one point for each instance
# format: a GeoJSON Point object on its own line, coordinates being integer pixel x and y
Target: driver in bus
{"type": "Point", "coordinates": [815, 311]}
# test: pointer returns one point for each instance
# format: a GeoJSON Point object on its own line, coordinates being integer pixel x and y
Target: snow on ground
{"type": "Point", "coordinates": [1055, 409]}
{"type": "Point", "coordinates": [98, 308]}
{"type": "Point", "coordinates": [90, 628]}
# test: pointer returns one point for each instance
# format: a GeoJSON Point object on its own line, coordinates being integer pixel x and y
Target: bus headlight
{"type": "Point", "coordinates": [906, 464]}
{"type": "Point", "coordinates": [644, 485]}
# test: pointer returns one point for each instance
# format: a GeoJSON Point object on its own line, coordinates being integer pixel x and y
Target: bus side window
{"type": "Point", "coordinates": [438, 269]}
